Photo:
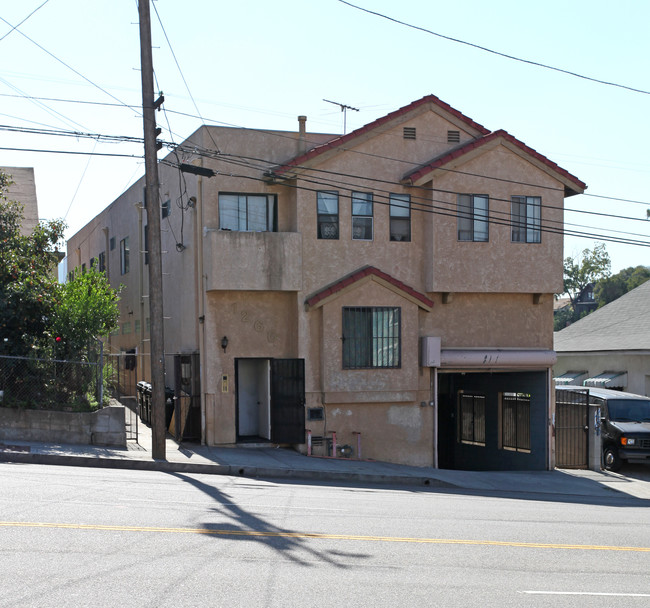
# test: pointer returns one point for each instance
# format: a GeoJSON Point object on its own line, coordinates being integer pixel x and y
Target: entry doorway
{"type": "Point", "coordinates": [253, 399]}
{"type": "Point", "coordinates": [270, 400]}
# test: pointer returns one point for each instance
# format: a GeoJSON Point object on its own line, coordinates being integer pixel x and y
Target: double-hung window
{"type": "Point", "coordinates": [400, 217]}
{"type": "Point", "coordinates": [526, 217]}
{"type": "Point", "coordinates": [473, 221]}
{"type": "Point", "coordinates": [371, 337]}
{"type": "Point", "coordinates": [328, 214]}
{"type": "Point", "coordinates": [124, 255]}
{"type": "Point", "coordinates": [362, 216]}
{"type": "Point", "coordinates": [248, 212]}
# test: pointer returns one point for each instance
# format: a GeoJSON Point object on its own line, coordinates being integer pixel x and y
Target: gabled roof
{"type": "Point", "coordinates": [623, 324]}
{"type": "Point", "coordinates": [571, 183]}
{"type": "Point", "coordinates": [365, 274]}
{"type": "Point", "coordinates": [339, 142]}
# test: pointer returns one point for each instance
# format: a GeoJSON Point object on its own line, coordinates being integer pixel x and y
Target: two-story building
{"type": "Point", "coordinates": [392, 286]}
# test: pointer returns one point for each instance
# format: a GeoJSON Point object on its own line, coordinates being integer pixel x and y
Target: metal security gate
{"type": "Point", "coordinates": [571, 429]}
{"type": "Point", "coordinates": [288, 400]}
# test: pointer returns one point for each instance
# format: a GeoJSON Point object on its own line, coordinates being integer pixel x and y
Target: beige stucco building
{"type": "Point", "coordinates": [393, 286]}
{"type": "Point", "coordinates": [23, 190]}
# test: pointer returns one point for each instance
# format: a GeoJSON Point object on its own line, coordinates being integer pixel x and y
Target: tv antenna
{"type": "Point", "coordinates": [344, 108]}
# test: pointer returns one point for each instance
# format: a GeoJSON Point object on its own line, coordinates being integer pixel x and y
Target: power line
{"type": "Point", "coordinates": [427, 207]}
{"type": "Point", "coordinates": [216, 154]}
{"type": "Point", "coordinates": [488, 50]}
{"type": "Point", "coordinates": [63, 62]}
{"type": "Point", "coordinates": [287, 135]}
{"type": "Point", "coordinates": [23, 21]}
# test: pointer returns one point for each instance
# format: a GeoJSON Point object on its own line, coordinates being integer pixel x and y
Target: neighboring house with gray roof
{"type": "Point", "coordinates": [610, 347]}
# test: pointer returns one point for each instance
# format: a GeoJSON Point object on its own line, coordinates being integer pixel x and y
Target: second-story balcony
{"type": "Point", "coordinates": [255, 261]}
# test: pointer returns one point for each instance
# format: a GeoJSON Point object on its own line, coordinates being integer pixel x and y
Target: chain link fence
{"type": "Point", "coordinates": [51, 384]}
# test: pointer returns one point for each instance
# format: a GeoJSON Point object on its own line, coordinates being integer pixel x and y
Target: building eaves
{"type": "Point", "coordinates": [369, 273]}
{"type": "Point", "coordinates": [413, 177]}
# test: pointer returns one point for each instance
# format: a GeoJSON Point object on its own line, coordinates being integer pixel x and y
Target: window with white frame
{"type": "Point", "coordinates": [371, 337]}
{"type": "Point", "coordinates": [248, 212]}
{"type": "Point", "coordinates": [471, 418]}
{"type": "Point", "coordinates": [328, 214]}
{"type": "Point", "coordinates": [400, 217]}
{"type": "Point", "coordinates": [526, 218]}
{"type": "Point", "coordinates": [362, 216]}
{"type": "Point", "coordinates": [124, 255]}
{"type": "Point", "coordinates": [473, 220]}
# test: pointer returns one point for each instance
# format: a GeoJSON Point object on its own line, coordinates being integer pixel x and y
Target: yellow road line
{"type": "Point", "coordinates": [315, 535]}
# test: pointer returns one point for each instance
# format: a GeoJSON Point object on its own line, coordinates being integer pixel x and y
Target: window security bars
{"type": "Point", "coordinates": [471, 419]}
{"type": "Point", "coordinates": [371, 337]}
{"type": "Point", "coordinates": [515, 422]}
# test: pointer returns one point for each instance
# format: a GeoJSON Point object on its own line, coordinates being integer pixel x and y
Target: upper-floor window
{"type": "Point", "coordinates": [248, 212]}
{"type": "Point", "coordinates": [166, 208]}
{"type": "Point", "coordinates": [101, 261]}
{"type": "Point", "coordinates": [124, 255]}
{"type": "Point", "coordinates": [400, 217]}
{"type": "Point", "coordinates": [362, 216]}
{"type": "Point", "coordinates": [371, 337]}
{"type": "Point", "coordinates": [328, 214]}
{"type": "Point", "coordinates": [526, 217]}
{"type": "Point", "coordinates": [473, 222]}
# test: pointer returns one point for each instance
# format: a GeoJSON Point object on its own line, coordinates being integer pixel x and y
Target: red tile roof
{"type": "Point", "coordinates": [369, 271]}
{"type": "Point", "coordinates": [344, 139]}
{"type": "Point", "coordinates": [414, 176]}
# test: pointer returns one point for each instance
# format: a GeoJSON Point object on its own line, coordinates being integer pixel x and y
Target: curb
{"type": "Point", "coordinates": [219, 469]}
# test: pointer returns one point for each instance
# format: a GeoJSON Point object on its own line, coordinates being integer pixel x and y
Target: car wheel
{"type": "Point", "coordinates": [611, 459]}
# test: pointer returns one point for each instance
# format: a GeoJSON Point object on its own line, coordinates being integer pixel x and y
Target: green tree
{"type": "Point", "coordinates": [28, 285]}
{"type": "Point", "coordinates": [591, 266]}
{"type": "Point", "coordinates": [609, 289]}
{"type": "Point", "coordinates": [87, 309]}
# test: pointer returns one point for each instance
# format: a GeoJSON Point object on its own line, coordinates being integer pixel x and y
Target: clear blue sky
{"type": "Point", "coordinates": [255, 63]}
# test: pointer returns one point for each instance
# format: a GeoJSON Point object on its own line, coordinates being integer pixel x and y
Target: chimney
{"type": "Point", "coordinates": [302, 132]}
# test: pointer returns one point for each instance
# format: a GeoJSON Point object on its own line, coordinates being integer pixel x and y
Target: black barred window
{"type": "Point", "coordinates": [371, 337]}
{"type": "Point", "coordinates": [471, 419]}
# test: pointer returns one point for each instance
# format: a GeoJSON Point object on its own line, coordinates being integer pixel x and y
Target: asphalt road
{"type": "Point", "coordinates": [97, 537]}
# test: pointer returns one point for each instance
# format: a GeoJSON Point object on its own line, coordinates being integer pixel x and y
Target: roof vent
{"type": "Point", "coordinates": [453, 137]}
{"type": "Point", "coordinates": [409, 132]}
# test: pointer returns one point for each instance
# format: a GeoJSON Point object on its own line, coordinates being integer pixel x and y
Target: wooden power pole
{"type": "Point", "coordinates": [152, 202]}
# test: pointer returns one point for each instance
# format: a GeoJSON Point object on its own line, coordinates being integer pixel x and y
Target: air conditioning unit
{"type": "Point", "coordinates": [430, 351]}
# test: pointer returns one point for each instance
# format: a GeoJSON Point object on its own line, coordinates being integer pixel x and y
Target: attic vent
{"type": "Point", "coordinates": [409, 132]}
{"type": "Point", "coordinates": [453, 137]}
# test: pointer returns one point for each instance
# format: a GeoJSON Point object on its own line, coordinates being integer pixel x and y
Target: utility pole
{"type": "Point", "coordinates": [155, 250]}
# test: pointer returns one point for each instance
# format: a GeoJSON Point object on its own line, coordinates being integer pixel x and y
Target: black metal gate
{"type": "Point", "coordinates": [571, 429]}
{"type": "Point", "coordinates": [288, 400]}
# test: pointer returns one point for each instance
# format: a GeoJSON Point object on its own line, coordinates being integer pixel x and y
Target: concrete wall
{"type": "Point", "coordinates": [104, 427]}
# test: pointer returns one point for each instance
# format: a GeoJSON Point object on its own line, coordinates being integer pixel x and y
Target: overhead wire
{"type": "Point", "coordinates": [248, 161]}
{"type": "Point", "coordinates": [500, 54]}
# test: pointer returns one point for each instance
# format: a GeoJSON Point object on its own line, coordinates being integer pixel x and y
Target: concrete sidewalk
{"type": "Point", "coordinates": [279, 463]}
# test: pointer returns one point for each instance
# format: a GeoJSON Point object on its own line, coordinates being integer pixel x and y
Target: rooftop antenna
{"type": "Point", "coordinates": [344, 109]}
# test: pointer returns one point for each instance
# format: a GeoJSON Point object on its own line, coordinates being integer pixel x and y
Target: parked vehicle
{"type": "Point", "coordinates": [625, 425]}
